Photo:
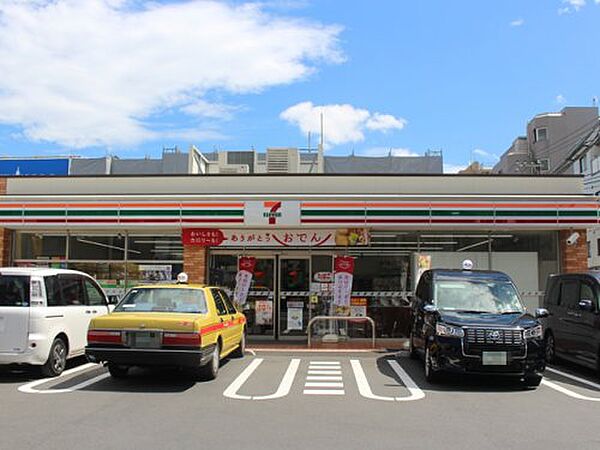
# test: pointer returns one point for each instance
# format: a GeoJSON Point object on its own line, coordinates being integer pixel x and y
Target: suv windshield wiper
{"type": "Point", "coordinates": [512, 312]}
{"type": "Point", "coordinates": [468, 311]}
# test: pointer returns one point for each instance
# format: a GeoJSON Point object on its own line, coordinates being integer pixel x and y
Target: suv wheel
{"type": "Point", "coordinates": [532, 381]}
{"type": "Point", "coordinates": [431, 375]}
{"type": "Point", "coordinates": [550, 348]}
{"type": "Point", "coordinates": [57, 359]}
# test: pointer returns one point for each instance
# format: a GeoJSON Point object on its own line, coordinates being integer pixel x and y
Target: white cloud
{"type": "Point", "coordinates": [342, 123]}
{"type": "Point", "coordinates": [98, 72]}
{"type": "Point", "coordinates": [386, 151]}
{"type": "Point", "coordinates": [560, 99]}
{"type": "Point", "coordinates": [454, 168]}
{"type": "Point", "coordinates": [517, 22]}
{"type": "Point", "coordinates": [486, 155]}
{"type": "Point", "coordinates": [572, 6]}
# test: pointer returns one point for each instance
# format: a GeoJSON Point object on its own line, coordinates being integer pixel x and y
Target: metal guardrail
{"type": "Point", "coordinates": [348, 318]}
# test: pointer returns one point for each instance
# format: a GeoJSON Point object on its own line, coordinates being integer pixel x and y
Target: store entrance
{"type": "Point", "coordinates": [282, 298]}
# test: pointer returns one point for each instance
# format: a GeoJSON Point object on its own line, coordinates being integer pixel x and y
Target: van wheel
{"type": "Point", "coordinates": [532, 381]}
{"type": "Point", "coordinates": [57, 359]}
{"type": "Point", "coordinates": [210, 370]}
{"type": "Point", "coordinates": [550, 348]}
{"type": "Point", "coordinates": [431, 375]}
{"type": "Point", "coordinates": [117, 371]}
{"type": "Point", "coordinates": [241, 348]}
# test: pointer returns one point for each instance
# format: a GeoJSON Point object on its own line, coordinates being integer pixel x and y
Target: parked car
{"type": "Point", "coordinates": [183, 325]}
{"type": "Point", "coordinates": [44, 315]}
{"type": "Point", "coordinates": [573, 326]}
{"type": "Point", "coordinates": [473, 322]}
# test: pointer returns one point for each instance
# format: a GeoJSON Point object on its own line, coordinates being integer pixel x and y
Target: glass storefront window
{"type": "Point", "coordinates": [40, 246]}
{"type": "Point", "coordinates": [155, 248]}
{"type": "Point", "coordinates": [97, 248]}
{"type": "Point", "coordinates": [150, 273]}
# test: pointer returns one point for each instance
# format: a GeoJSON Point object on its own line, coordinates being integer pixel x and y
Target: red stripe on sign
{"type": "Point", "coordinates": [186, 220]}
{"type": "Point", "coordinates": [462, 220]}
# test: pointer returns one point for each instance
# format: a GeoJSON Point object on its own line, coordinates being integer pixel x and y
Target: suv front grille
{"type": "Point", "coordinates": [493, 336]}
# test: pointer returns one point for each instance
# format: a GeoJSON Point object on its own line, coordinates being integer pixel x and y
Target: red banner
{"type": "Point", "coordinates": [203, 237]}
{"type": "Point", "coordinates": [243, 279]}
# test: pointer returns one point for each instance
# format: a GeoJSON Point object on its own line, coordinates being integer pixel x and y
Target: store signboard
{"type": "Point", "coordinates": [211, 237]}
{"type": "Point", "coordinates": [272, 213]}
{"type": "Point", "coordinates": [203, 237]}
{"type": "Point", "coordinates": [243, 279]}
{"type": "Point", "coordinates": [358, 307]}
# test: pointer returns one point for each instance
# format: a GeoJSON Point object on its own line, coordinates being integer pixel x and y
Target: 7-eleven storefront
{"type": "Point", "coordinates": [128, 230]}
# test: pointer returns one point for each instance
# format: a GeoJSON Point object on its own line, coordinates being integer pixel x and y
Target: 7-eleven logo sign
{"type": "Point", "coordinates": [273, 211]}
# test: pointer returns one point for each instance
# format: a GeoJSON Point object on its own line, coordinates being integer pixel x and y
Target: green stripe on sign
{"type": "Point", "coordinates": [527, 213]}
{"type": "Point", "coordinates": [578, 213]}
{"type": "Point", "coordinates": [213, 212]}
{"type": "Point", "coordinates": [43, 212]}
{"type": "Point", "coordinates": [95, 213]}
{"type": "Point", "coordinates": [148, 212]}
{"type": "Point", "coordinates": [397, 212]}
{"type": "Point", "coordinates": [462, 213]}
{"type": "Point", "coordinates": [11, 213]}
{"type": "Point", "coordinates": [329, 212]}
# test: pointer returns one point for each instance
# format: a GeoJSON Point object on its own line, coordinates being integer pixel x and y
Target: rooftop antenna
{"type": "Point", "coordinates": [594, 101]}
{"type": "Point", "coordinates": [309, 149]}
{"type": "Point", "coordinates": [320, 149]}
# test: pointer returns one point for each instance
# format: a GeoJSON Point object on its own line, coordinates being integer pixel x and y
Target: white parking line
{"type": "Point", "coordinates": [324, 392]}
{"type": "Point", "coordinates": [283, 389]}
{"type": "Point", "coordinates": [569, 392]}
{"type": "Point", "coordinates": [323, 378]}
{"type": "Point", "coordinates": [365, 389]}
{"type": "Point", "coordinates": [29, 388]}
{"type": "Point", "coordinates": [323, 384]}
{"type": "Point", "coordinates": [324, 372]}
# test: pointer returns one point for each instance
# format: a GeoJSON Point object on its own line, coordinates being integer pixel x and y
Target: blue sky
{"type": "Point", "coordinates": [131, 77]}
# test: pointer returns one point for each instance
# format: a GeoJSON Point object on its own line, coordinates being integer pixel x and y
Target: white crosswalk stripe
{"type": "Point", "coordinates": [324, 378]}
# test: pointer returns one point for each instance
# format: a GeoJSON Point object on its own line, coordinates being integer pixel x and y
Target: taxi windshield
{"type": "Point", "coordinates": [176, 300]}
{"type": "Point", "coordinates": [476, 296]}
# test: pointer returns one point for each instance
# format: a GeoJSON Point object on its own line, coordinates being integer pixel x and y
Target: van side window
{"type": "Point", "coordinates": [569, 293]}
{"type": "Point", "coordinates": [71, 287]}
{"type": "Point", "coordinates": [219, 304]}
{"type": "Point", "coordinates": [94, 296]}
{"type": "Point", "coordinates": [53, 296]}
{"type": "Point", "coordinates": [553, 292]}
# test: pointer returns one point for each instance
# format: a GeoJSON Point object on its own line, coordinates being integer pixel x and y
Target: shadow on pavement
{"type": "Point", "coordinates": [576, 370]}
{"type": "Point", "coordinates": [24, 373]}
{"type": "Point", "coordinates": [449, 382]}
{"type": "Point", "coordinates": [150, 380]}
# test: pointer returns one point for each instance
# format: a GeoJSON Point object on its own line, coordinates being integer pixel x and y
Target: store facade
{"type": "Point", "coordinates": [127, 231]}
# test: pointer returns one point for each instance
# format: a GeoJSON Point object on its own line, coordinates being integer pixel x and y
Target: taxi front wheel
{"type": "Point", "coordinates": [209, 371]}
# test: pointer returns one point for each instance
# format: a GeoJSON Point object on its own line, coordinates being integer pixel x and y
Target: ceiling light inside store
{"type": "Point", "coordinates": [459, 236]}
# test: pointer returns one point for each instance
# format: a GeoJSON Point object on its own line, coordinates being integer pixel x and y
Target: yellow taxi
{"type": "Point", "coordinates": [184, 325]}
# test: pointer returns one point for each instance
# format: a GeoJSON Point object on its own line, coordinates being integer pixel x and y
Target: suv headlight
{"type": "Point", "coordinates": [441, 329]}
{"type": "Point", "coordinates": [532, 333]}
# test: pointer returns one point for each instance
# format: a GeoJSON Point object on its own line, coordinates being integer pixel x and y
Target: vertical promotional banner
{"type": "Point", "coordinates": [243, 279]}
{"type": "Point", "coordinates": [342, 285]}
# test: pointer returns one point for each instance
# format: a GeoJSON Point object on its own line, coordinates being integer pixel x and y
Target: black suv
{"type": "Point", "coordinates": [573, 327]}
{"type": "Point", "coordinates": [472, 321]}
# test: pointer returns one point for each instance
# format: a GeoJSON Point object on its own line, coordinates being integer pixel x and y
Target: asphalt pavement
{"type": "Point", "coordinates": [297, 400]}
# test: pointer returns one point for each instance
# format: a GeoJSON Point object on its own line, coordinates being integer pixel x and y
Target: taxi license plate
{"type": "Point", "coordinates": [146, 339]}
{"type": "Point", "coordinates": [494, 359]}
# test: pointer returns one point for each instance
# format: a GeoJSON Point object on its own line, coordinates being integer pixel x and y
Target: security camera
{"type": "Point", "coordinates": [573, 238]}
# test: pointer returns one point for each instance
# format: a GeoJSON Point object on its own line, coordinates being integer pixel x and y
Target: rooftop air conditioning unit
{"type": "Point", "coordinates": [283, 160]}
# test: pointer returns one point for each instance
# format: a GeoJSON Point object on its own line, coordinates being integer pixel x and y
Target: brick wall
{"type": "Point", "coordinates": [194, 263]}
{"type": "Point", "coordinates": [573, 258]}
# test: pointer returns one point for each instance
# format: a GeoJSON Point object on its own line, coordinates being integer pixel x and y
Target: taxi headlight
{"type": "Point", "coordinates": [442, 329]}
{"type": "Point", "coordinates": [532, 333]}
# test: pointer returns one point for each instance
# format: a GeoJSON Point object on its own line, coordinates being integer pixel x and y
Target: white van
{"type": "Point", "coordinates": [44, 315]}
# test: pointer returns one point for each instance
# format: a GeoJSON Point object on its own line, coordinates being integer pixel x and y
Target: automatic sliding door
{"type": "Point", "coordinates": [294, 285]}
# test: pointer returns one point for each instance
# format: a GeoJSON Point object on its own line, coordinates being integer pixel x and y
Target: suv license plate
{"type": "Point", "coordinates": [494, 358]}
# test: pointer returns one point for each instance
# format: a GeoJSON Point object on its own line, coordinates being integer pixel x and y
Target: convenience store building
{"type": "Point", "coordinates": [127, 230]}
